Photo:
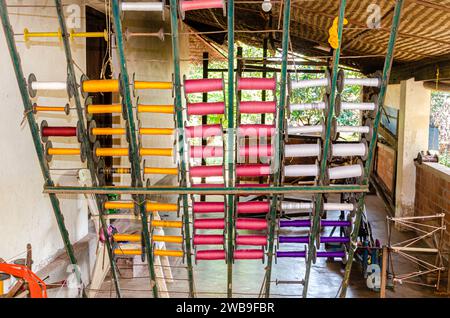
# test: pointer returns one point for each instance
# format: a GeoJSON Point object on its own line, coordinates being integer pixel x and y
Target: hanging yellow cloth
{"type": "Point", "coordinates": [333, 31]}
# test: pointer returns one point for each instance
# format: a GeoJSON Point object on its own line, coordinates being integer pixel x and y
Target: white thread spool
{"type": "Point", "coordinates": [302, 150]}
{"type": "Point", "coordinates": [338, 207]}
{"type": "Point", "coordinates": [353, 129]}
{"type": "Point", "coordinates": [285, 206]}
{"type": "Point", "coordinates": [349, 150]}
{"type": "Point", "coordinates": [319, 82]}
{"type": "Point", "coordinates": [307, 106]}
{"type": "Point", "coordinates": [302, 130]}
{"type": "Point", "coordinates": [49, 86]}
{"type": "Point", "coordinates": [143, 6]}
{"type": "Point", "coordinates": [357, 106]}
{"type": "Point", "coordinates": [301, 170]}
{"type": "Point", "coordinates": [368, 82]}
{"type": "Point", "coordinates": [344, 172]}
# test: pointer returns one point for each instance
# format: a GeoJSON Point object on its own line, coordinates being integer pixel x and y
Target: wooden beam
{"type": "Point", "coordinates": [425, 70]}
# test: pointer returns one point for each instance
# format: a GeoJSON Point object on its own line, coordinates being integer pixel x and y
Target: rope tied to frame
{"type": "Point", "coordinates": [25, 114]}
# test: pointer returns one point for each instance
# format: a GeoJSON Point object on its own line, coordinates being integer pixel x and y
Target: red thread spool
{"type": "Point", "coordinates": [210, 255]}
{"type": "Point", "coordinates": [203, 85]}
{"type": "Point", "coordinates": [253, 185]}
{"type": "Point", "coordinates": [256, 240]}
{"type": "Point", "coordinates": [208, 239]}
{"type": "Point", "coordinates": [248, 254]}
{"type": "Point", "coordinates": [206, 171]}
{"type": "Point", "coordinates": [253, 207]}
{"type": "Point", "coordinates": [257, 83]}
{"type": "Point", "coordinates": [208, 207]}
{"type": "Point", "coordinates": [256, 130]}
{"type": "Point", "coordinates": [256, 151]}
{"type": "Point", "coordinates": [201, 4]}
{"type": "Point", "coordinates": [257, 107]}
{"type": "Point", "coordinates": [203, 109]}
{"type": "Point", "coordinates": [209, 224]}
{"type": "Point", "coordinates": [204, 131]}
{"type": "Point", "coordinates": [59, 131]}
{"type": "Point", "coordinates": [252, 170]}
{"type": "Point", "coordinates": [208, 185]}
{"type": "Point", "coordinates": [251, 224]}
{"type": "Point", "coordinates": [206, 152]}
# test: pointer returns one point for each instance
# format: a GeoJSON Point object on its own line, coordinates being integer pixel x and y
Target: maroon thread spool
{"type": "Point", "coordinates": [59, 131]}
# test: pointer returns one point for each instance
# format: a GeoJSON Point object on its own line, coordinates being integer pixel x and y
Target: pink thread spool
{"type": "Point", "coordinates": [256, 151]}
{"type": "Point", "coordinates": [206, 152]}
{"type": "Point", "coordinates": [208, 207]}
{"type": "Point", "coordinates": [203, 109]}
{"type": "Point", "coordinates": [254, 240]}
{"type": "Point", "coordinates": [209, 224]}
{"type": "Point", "coordinates": [249, 254]}
{"type": "Point", "coordinates": [256, 130]}
{"type": "Point", "coordinates": [257, 107]}
{"type": "Point", "coordinates": [208, 185]}
{"type": "Point", "coordinates": [253, 207]}
{"type": "Point", "coordinates": [203, 131]}
{"type": "Point", "coordinates": [253, 185]}
{"type": "Point", "coordinates": [204, 85]}
{"type": "Point", "coordinates": [252, 170]}
{"type": "Point", "coordinates": [208, 239]}
{"type": "Point", "coordinates": [201, 4]}
{"type": "Point", "coordinates": [206, 171]}
{"type": "Point", "coordinates": [256, 83]}
{"type": "Point", "coordinates": [251, 224]}
{"type": "Point", "coordinates": [210, 255]}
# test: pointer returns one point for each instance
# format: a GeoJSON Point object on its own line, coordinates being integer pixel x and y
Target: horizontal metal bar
{"type": "Point", "coordinates": [211, 191]}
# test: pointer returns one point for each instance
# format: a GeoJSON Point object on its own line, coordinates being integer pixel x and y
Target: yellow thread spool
{"type": "Point", "coordinates": [104, 109]}
{"type": "Point", "coordinates": [127, 252]}
{"type": "Point", "coordinates": [169, 171]}
{"type": "Point", "coordinates": [27, 34]}
{"type": "Point", "coordinates": [49, 109]}
{"type": "Point", "coordinates": [156, 109]}
{"type": "Point", "coordinates": [119, 205]}
{"type": "Point", "coordinates": [127, 237]}
{"type": "Point", "coordinates": [152, 85]}
{"type": "Point", "coordinates": [156, 131]}
{"type": "Point", "coordinates": [171, 224]}
{"type": "Point", "coordinates": [111, 152]}
{"type": "Point", "coordinates": [162, 207]}
{"type": "Point", "coordinates": [170, 253]}
{"type": "Point", "coordinates": [63, 151]}
{"type": "Point", "coordinates": [99, 86]}
{"type": "Point", "coordinates": [168, 239]}
{"type": "Point", "coordinates": [103, 34]}
{"type": "Point", "coordinates": [108, 131]}
{"type": "Point", "coordinates": [122, 170]}
{"type": "Point", "coordinates": [165, 152]}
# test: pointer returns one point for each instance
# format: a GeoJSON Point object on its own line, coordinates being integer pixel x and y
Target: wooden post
{"type": "Point", "coordinates": [383, 272]}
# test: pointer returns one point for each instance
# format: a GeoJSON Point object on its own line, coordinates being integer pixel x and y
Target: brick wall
{"type": "Point", "coordinates": [385, 167]}
{"type": "Point", "coordinates": [433, 193]}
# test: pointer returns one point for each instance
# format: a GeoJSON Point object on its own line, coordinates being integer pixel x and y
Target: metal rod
{"type": "Point", "coordinates": [28, 110]}
{"type": "Point", "coordinates": [231, 145]}
{"type": "Point", "coordinates": [85, 140]}
{"type": "Point", "coordinates": [134, 156]}
{"type": "Point", "coordinates": [278, 141]}
{"type": "Point", "coordinates": [326, 148]}
{"type": "Point", "coordinates": [204, 100]}
{"type": "Point", "coordinates": [181, 139]}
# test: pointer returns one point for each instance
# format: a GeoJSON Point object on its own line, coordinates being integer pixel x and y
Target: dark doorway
{"type": "Point", "coordinates": [96, 54]}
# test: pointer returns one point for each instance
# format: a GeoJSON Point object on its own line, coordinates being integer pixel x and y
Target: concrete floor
{"type": "Point", "coordinates": [325, 278]}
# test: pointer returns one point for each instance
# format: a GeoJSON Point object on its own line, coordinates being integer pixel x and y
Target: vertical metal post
{"type": "Point", "coordinates": [181, 140]}
{"type": "Point", "coordinates": [326, 148]}
{"type": "Point", "coordinates": [264, 75]}
{"type": "Point", "coordinates": [367, 169]}
{"type": "Point", "coordinates": [85, 140]}
{"type": "Point", "coordinates": [28, 111]}
{"type": "Point", "coordinates": [278, 141]}
{"type": "Point", "coordinates": [133, 145]}
{"type": "Point", "coordinates": [230, 181]}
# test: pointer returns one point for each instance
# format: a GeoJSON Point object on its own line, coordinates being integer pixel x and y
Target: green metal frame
{"type": "Point", "coordinates": [326, 148]}
{"type": "Point", "coordinates": [278, 142]}
{"type": "Point", "coordinates": [181, 142]}
{"type": "Point", "coordinates": [368, 166]}
{"type": "Point", "coordinates": [85, 141]}
{"type": "Point", "coordinates": [231, 199]}
{"type": "Point", "coordinates": [34, 128]}
{"type": "Point", "coordinates": [133, 146]}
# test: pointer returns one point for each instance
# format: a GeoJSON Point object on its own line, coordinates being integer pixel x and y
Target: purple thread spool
{"type": "Point", "coordinates": [331, 254]}
{"type": "Point", "coordinates": [305, 239]}
{"type": "Point", "coordinates": [299, 254]}
{"type": "Point", "coordinates": [307, 223]}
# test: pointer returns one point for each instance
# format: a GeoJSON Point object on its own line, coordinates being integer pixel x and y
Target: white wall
{"type": "Point", "coordinates": [26, 213]}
